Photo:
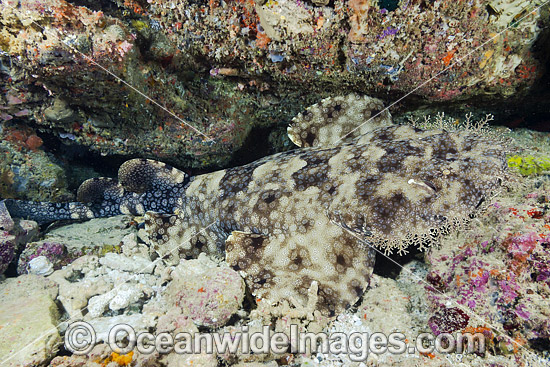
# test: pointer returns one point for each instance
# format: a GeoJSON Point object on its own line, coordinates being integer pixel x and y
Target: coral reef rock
{"type": "Point", "coordinates": [12, 240]}
{"type": "Point", "coordinates": [27, 171]}
{"type": "Point", "coordinates": [28, 321]}
{"type": "Point", "coordinates": [64, 244]}
{"type": "Point", "coordinates": [211, 294]}
{"type": "Point", "coordinates": [198, 76]}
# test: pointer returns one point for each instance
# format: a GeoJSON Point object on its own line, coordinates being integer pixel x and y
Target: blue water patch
{"type": "Point", "coordinates": [389, 5]}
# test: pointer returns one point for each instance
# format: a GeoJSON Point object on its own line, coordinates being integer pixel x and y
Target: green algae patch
{"type": "Point", "coordinates": [529, 165]}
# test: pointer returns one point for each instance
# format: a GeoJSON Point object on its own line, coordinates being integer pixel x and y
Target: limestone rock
{"type": "Point", "coordinates": [211, 293]}
{"type": "Point", "coordinates": [28, 321]}
{"type": "Point", "coordinates": [94, 236]}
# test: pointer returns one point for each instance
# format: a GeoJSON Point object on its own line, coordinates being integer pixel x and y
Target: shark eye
{"type": "Point", "coordinates": [430, 185]}
{"type": "Point", "coordinates": [424, 183]}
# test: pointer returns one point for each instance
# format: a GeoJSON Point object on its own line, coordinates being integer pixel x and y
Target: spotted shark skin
{"type": "Point", "coordinates": [311, 214]}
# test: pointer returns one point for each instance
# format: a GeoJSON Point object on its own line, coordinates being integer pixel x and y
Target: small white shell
{"type": "Point", "coordinates": [40, 265]}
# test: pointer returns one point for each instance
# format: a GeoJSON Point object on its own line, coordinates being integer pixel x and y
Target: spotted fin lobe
{"type": "Point", "coordinates": [143, 175]}
{"type": "Point", "coordinates": [281, 268]}
{"type": "Point", "coordinates": [337, 120]}
{"type": "Point", "coordinates": [93, 190]}
{"type": "Point", "coordinates": [172, 237]}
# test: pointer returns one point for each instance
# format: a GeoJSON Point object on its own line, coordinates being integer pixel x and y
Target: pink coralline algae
{"type": "Point", "coordinates": [448, 320]}
{"type": "Point", "coordinates": [7, 250]}
{"type": "Point", "coordinates": [10, 240]}
{"type": "Point", "coordinates": [504, 281]}
{"type": "Point", "coordinates": [55, 252]}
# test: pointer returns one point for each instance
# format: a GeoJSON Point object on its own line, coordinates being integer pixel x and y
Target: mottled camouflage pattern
{"type": "Point", "coordinates": [338, 119]}
{"type": "Point", "coordinates": [311, 214]}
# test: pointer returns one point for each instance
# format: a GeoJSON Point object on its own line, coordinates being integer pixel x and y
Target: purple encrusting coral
{"type": "Point", "coordinates": [504, 280]}
{"type": "Point", "coordinates": [7, 250]}
{"type": "Point", "coordinates": [390, 31]}
{"type": "Point", "coordinates": [448, 320]}
{"type": "Point", "coordinates": [20, 233]}
{"type": "Point", "coordinates": [55, 252]}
